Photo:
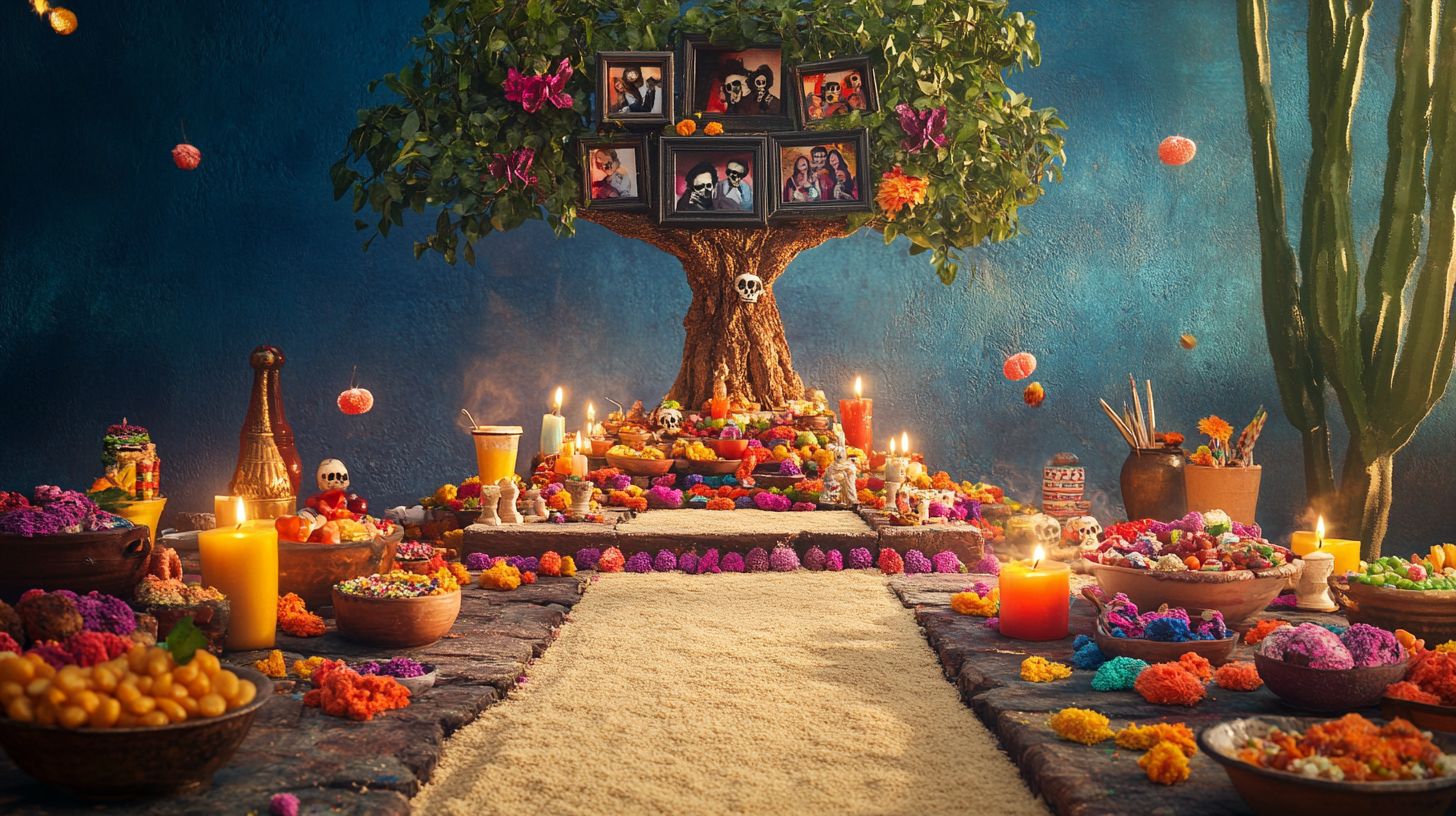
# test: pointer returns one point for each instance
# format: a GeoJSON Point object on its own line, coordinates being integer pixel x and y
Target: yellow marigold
{"type": "Point", "coordinates": [462, 575]}
{"type": "Point", "coordinates": [1448, 646]}
{"type": "Point", "coordinates": [445, 493]}
{"type": "Point", "coordinates": [446, 577]}
{"type": "Point", "coordinates": [687, 127]}
{"type": "Point", "coordinates": [568, 566]}
{"type": "Point", "coordinates": [500, 576]}
{"type": "Point", "coordinates": [304, 668]}
{"type": "Point", "coordinates": [713, 129]}
{"type": "Point", "coordinates": [1144, 737]}
{"type": "Point", "coordinates": [1080, 725]}
{"type": "Point", "coordinates": [454, 539]}
{"type": "Point", "coordinates": [921, 482]}
{"type": "Point", "coordinates": [1215, 428]}
{"type": "Point", "coordinates": [560, 501]}
{"type": "Point", "coordinates": [969, 603]}
{"type": "Point", "coordinates": [898, 190]}
{"type": "Point", "coordinates": [1037, 669]}
{"type": "Point", "coordinates": [1165, 764]}
{"type": "Point", "coordinates": [274, 666]}
{"type": "Point", "coordinates": [471, 480]}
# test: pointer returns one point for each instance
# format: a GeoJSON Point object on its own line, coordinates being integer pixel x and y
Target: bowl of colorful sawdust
{"type": "Point", "coordinates": [1429, 615]}
{"type": "Point", "coordinates": [1159, 636]}
{"type": "Point", "coordinates": [399, 610]}
{"type": "Point", "coordinates": [1313, 668]}
{"type": "Point", "coordinates": [644, 462]}
{"type": "Point", "coordinates": [413, 675]}
{"type": "Point", "coordinates": [173, 748]}
{"type": "Point", "coordinates": [1236, 594]}
{"type": "Point", "coordinates": [1342, 771]}
{"type": "Point", "coordinates": [1427, 694]}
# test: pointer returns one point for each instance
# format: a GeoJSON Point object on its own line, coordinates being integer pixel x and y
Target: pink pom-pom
{"type": "Point", "coordinates": [283, 804]}
{"type": "Point", "coordinates": [835, 562]}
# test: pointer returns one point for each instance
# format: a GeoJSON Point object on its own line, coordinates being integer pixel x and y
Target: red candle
{"type": "Point", "coordinates": [1035, 599]}
{"type": "Point", "coordinates": [856, 415]}
{"type": "Point", "coordinates": [718, 408]}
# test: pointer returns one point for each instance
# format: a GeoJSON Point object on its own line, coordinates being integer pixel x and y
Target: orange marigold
{"type": "Point", "coordinates": [898, 190]}
{"type": "Point", "coordinates": [941, 481]}
{"type": "Point", "coordinates": [1169, 684]}
{"type": "Point", "coordinates": [295, 619]}
{"type": "Point", "coordinates": [1080, 725]}
{"type": "Point", "coordinates": [687, 127]}
{"type": "Point", "coordinates": [611, 560]}
{"type": "Point", "coordinates": [1173, 439]}
{"type": "Point", "coordinates": [273, 666]}
{"type": "Point", "coordinates": [342, 692]}
{"type": "Point", "coordinates": [1240, 676]}
{"type": "Point", "coordinates": [550, 564]}
{"type": "Point", "coordinates": [1145, 737]}
{"type": "Point", "coordinates": [457, 569]}
{"type": "Point", "coordinates": [1262, 629]}
{"type": "Point", "coordinates": [1037, 669]}
{"type": "Point", "coordinates": [637, 503]}
{"type": "Point", "coordinates": [1215, 428]}
{"type": "Point", "coordinates": [1197, 665]}
{"type": "Point", "coordinates": [720, 503]}
{"type": "Point", "coordinates": [500, 576]}
{"type": "Point", "coordinates": [712, 129]}
{"type": "Point", "coordinates": [969, 603]}
{"type": "Point", "coordinates": [559, 501]}
{"type": "Point", "coordinates": [1165, 764]}
{"type": "Point", "coordinates": [528, 577]}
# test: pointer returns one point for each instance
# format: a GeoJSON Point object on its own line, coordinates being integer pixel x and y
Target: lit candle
{"type": "Point", "coordinates": [894, 468]}
{"type": "Point", "coordinates": [553, 427]}
{"type": "Point", "coordinates": [591, 419]}
{"type": "Point", "coordinates": [242, 562]}
{"type": "Point", "coordinates": [1035, 598]}
{"type": "Point", "coordinates": [912, 468]}
{"type": "Point", "coordinates": [856, 417]}
{"type": "Point", "coordinates": [564, 456]}
{"type": "Point", "coordinates": [1345, 551]}
{"type": "Point", "coordinates": [578, 460]}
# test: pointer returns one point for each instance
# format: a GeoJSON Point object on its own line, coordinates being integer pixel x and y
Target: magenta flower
{"type": "Point", "coordinates": [535, 91]}
{"type": "Point", "coordinates": [515, 167]}
{"type": "Point", "coordinates": [925, 128]}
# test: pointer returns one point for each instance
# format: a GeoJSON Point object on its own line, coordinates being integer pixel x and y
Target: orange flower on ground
{"type": "Point", "coordinates": [713, 128]}
{"type": "Point", "coordinates": [1238, 677]}
{"type": "Point", "coordinates": [969, 603]}
{"type": "Point", "coordinates": [273, 666]}
{"type": "Point", "coordinates": [1262, 629]}
{"type": "Point", "coordinates": [1169, 684]}
{"type": "Point", "coordinates": [295, 619]}
{"type": "Point", "coordinates": [1145, 737]}
{"type": "Point", "coordinates": [687, 127]}
{"type": "Point", "coordinates": [550, 564]}
{"type": "Point", "coordinates": [898, 190]}
{"type": "Point", "coordinates": [720, 503]}
{"type": "Point", "coordinates": [1080, 725]}
{"type": "Point", "coordinates": [1215, 428]}
{"type": "Point", "coordinates": [1165, 764]}
{"type": "Point", "coordinates": [1197, 665]}
{"type": "Point", "coordinates": [342, 692]}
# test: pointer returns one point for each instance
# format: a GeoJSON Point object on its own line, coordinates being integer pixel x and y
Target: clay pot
{"type": "Point", "coordinates": [1327, 689]}
{"type": "Point", "coordinates": [110, 562]}
{"type": "Point", "coordinates": [1238, 594]}
{"type": "Point", "coordinates": [1234, 490]}
{"type": "Point", "coordinates": [117, 763]}
{"type": "Point", "coordinates": [1216, 652]}
{"type": "Point", "coordinates": [395, 623]}
{"type": "Point", "coordinates": [311, 570]}
{"type": "Point", "coordinates": [1152, 484]}
{"type": "Point", "coordinates": [727, 448]}
{"type": "Point", "coordinates": [1430, 616]}
{"type": "Point", "coordinates": [639, 467]}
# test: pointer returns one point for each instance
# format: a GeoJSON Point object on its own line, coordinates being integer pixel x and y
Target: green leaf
{"type": "Point", "coordinates": [360, 225]}
{"type": "Point", "coordinates": [184, 640]}
{"type": "Point", "coordinates": [112, 499]}
{"type": "Point", "coordinates": [411, 126]}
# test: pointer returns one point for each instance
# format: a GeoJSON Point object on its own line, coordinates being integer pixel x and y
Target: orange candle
{"type": "Point", "coordinates": [718, 408]}
{"type": "Point", "coordinates": [856, 417]}
{"type": "Point", "coordinates": [1035, 599]}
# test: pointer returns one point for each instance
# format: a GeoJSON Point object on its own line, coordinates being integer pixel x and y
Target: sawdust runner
{"type": "Point", "coordinates": [768, 693]}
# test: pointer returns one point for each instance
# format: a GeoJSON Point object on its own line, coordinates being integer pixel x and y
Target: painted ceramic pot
{"type": "Point", "coordinates": [1152, 484]}
{"type": "Point", "coordinates": [1063, 483]}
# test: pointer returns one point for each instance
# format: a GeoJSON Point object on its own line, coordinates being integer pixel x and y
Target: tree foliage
{"type": "Point", "coordinates": [431, 147]}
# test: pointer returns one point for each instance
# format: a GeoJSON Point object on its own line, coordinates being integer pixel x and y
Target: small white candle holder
{"type": "Point", "coordinates": [489, 498]}
{"type": "Point", "coordinates": [507, 505]}
{"type": "Point", "coordinates": [1313, 592]}
{"type": "Point", "coordinates": [581, 493]}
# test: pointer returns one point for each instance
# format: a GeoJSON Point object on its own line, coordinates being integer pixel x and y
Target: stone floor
{"type": "Point", "coordinates": [342, 767]}
{"type": "Point", "coordinates": [1074, 779]}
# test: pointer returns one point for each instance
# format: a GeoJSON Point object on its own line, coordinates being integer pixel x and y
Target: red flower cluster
{"type": "Point", "coordinates": [342, 692]}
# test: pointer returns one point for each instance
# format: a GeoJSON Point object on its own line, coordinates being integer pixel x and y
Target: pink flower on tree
{"type": "Point", "coordinates": [925, 128]}
{"type": "Point", "coordinates": [515, 167]}
{"type": "Point", "coordinates": [534, 92]}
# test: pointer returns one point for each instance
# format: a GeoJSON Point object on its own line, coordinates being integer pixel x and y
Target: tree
{"type": "Point", "coordinates": [435, 145]}
{"type": "Point", "coordinates": [1388, 368]}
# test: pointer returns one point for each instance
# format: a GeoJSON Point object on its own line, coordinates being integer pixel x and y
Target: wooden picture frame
{"type": "Point", "coordinates": [714, 86]}
{"type": "Point", "coordinates": [607, 187]}
{"type": "Point", "coordinates": [611, 100]}
{"type": "Point", "coordinates": [787, 150]}
{"type": "Point", "coordinates": [837, 72]}
{"type": "Point", "coordinates": [687, 162]}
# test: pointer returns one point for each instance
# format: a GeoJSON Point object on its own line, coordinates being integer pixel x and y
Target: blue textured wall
{"type": "Point", "coordinates": [133, 288]}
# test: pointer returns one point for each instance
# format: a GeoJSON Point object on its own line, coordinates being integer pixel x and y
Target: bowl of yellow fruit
{"type": "Point", "coordinates": [137, 725]}
{"type": "Point", "coordinates": [632, 461]}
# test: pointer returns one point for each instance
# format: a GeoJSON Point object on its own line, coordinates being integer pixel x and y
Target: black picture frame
{"type": "Point", "coordinates": [839, 65]}
{"type": "Point", "coordinates": [675, 150]}
{"type": "Point", "coordinates": [697, 48]}
{"type": "Point", "coordinates": [863, 184]}
{"type": "Point", "coordinates": [663, 61]}
{"type": "Point", "coordinates": [642, 202]}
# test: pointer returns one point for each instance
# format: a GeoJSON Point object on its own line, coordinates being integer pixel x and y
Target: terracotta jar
{"type": "Point", "coordinates": [1234, 490]}
{"type": "Point", "coordinates": [1152, 484]}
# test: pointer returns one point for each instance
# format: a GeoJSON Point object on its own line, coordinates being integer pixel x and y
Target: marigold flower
{"type": "Point", "coordinates": [500, 576]}
{"type": "Point", "coordinates": [1241, 676]}
{"type": "Point", "coordinates": [305, 668]}
{"type": "Point", "coordinates": [342, 692]}
{"type": "Point", "coordinates": [970, 603]}
{"type": "Point", "coordinates": [1037, 669]}
{"type": "Point", "coordinates": [898, 190]}
{"type": "Point", "coordinates": [1169, 684]}
{"type": "Point", "coordinates": [720, 503]}
{"type": "Point", "coordinates": [687, 127]}
{"type": "Point", "coordinates": [568, 566]}
{"type": "Point", "coordinates": [1165, 764]}
{"type": "Point", "coordinates": [550, 564]}
{"type": "Point", "coordinates": [1080, 725]}
{"type": "Point", "coordinates": [274, 666]}
{"type": "Point", "coordinates": [611, 560]}
{"type": "Point", "coordinates": [1215, 428]}
{"type": "Point", "coordinates": [1173, 439]}
{"type": "Point", "coordinates": [1197, 665]}
{"type": "Point", "coordinates": [1262, 629]}
{"type": "Point", "coordinates": [295, 619]}
{"type": "Point", "coordinates": [1145, 737]}
{"type": "Point", "coordinates": [712, 128]}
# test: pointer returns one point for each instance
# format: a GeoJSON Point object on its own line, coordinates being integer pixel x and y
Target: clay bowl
{"type": "Point", "coordinates": [1280, 793]}
{"type": "Point", "coordinates": [640, 467]}
{"type": "Point", "coordinates": [124, 763]}
{"type": "Point", "coordinates": [727, 448]}
{"type": "Point", "coordinates": [1327, 689]}
{"type": "Point", "coordinates": [311, 570]}
{"type": "Point", "coordinates": [395, 623]}
{"type": "Point", "coordinates": [1430, 616]}
{"type": "Point", "coordinates": [418, 685]}
{"type": "Point", "coordinates": [1238, 594]}
{"type": "Point", "coordinates": [713, 467]}
{"type": "Point", "coordinates": [110, 562]}
{"type": "Point", "coordinates": [773, 479]}
{"type": "Point", "coordinates": [1215, 652]}
{"type": "Point", "coordinates": [1424, 716]}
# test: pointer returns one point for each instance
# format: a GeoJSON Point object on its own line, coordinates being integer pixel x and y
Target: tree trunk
{"type": "Point", "coordinates": [721, 326]}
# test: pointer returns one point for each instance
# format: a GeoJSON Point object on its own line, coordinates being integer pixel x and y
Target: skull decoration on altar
{"type": "Point", "coordinates": [1082, 531]}
{"type": "Point", "coordinates": [749, 286]}
{"type": "Point", "coordinates": [1046, 530]}
{"type": "Point", "coordinates": [669, 420]}
{"type": "Point", "coordinates": [332, 475]}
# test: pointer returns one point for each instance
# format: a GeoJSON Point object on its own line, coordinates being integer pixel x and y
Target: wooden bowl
{"type": "Point", "coordinates": [1327, 689]}
{"type": "Point", "coordinates": [311, 570]}
{"type": "Point", "coordinates": [1238, 594]}
{"type": "Point", "coordinates": [1423, 715]}
{"type": "Point", "coordinates": [1430, 616]}
{"type": "Point", "coordinates": [774, 479]}
{"type": "Point", "coordinates": [1280, 793]}
{"type": "Point", "coordinates": [639, 467]}
{"type": "Point", "coordinates": [110, 562]}
{"type": "Point", "coordinates": [727, 448]}
{"type": "Point", "coordinates": [121, 763]}
{"type": "Point", "coordinates": [395, 623]}
{"type": "Point", "coordinates": [711, 467]}
{"type": "Point", "coordinates": [1152, 651]}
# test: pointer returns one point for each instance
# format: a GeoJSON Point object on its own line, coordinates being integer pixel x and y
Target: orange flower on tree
{"type": "Point", "coordinates": [686, 127]}
{"type": "Point", "coordinates": [1215, 428]}
{"type": "Point", "coordinates": [898, 190]}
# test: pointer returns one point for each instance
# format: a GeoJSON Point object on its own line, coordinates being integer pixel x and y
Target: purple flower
{"type": "Point", "coordinates": [993, 623]}
{"type": "Point", "coordinates": [756, 560]}
{"type": "Point", "coordinates": [661, 497]}
{"type": "Point", "coordinates": [815, 559]}
{"type": "Point", "coordinates": [860, 558]}
{"type": "Point", "coordinates": [783, 559]}
{"type": "Point", "coordinates": [530, 563]}
{"type": "Point", "coordinates": [1310, 645]}
{"type": "Point", "coordinates": [835, 561]}
{"type": "Point", "coordinates": [29, 522]}
{"type": "Point", "coordinates": [708, 564]}
{"type": "Point", "coordinates": [744, 503]}
{"type": "Point", "coordinates": [1247, 530]}
{"type": "Point", "coordinates": [946, 561]}
{"type": "Point", "coordinates": [938, 510]}
{"type": "Point", "coordinates": [925, 128]}
{"type": "Point", "coordinates": [478, 561]}
{"type": "Point", "coordinates": [665, 561]}
{"type": "Point", "coordinates": [665, 480]}
{"type": "Point", "coordinates": [551, 490]}
{"type": "Point", "coordinates": [619, 482]}
{"type": "Point", "coordinates": [283, 804]}
{"type": "Point", "coordinates": [988, 565]}
{"type": "Point", "coordinates": [916, 562]}
{"type": "Point", "coordinates": [688, 562]}
{"type": "Point", "coordinates": [103, 613]}
{"type": "Point", "coordinates": [394, 667]}
{"type": "Point", "coordinates": [1370, 646]}
{"type": "Point", "coordinates": [693, 480]}
{"type": "Point", "coordinates": [587, 557]}
{"type": "Point", "coordinates": [730, 431]}
{"type": "Point", "coordinates": [534, 92]}
{"type": "Point", "coordinates": [981, 588]}
{"type": "Point", "coordinates": [770, 501]}
{"type": "Point", "coordinates": [44, 494]}
{"type": "Point", "coordinates": [789, 468]}
{"type": "Point", "coordinates": [641, 562]}
{"type": "Point", "coordinates": [732, 562]}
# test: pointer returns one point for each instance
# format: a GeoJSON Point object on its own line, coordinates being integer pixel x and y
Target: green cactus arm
{"type": "Point", "coordinates": [1397, 244]}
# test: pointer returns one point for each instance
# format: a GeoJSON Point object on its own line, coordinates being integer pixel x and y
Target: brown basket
{"type": "Point", "coordinates": [1238, 594]}
{"type": "Point", "coordinates": [1430, 616]}
{"type": "Point", "coordinates": [395, 623]}
{"type": "Point", "coordinates": [109, 561]}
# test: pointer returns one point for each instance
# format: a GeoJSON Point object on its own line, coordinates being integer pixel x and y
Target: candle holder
{"type": "Point", "coordinates": [489, 499]}
{"type": "Point", "coordinates": [507, 505]}
{"type": "Point", "coordinates": [535, 504]}
{"type": "Point", "coordinates": [1313, 591]}
{"type": "Point", "coordinates": [892, 493]}
{"type": "Point", "coordinates": [581, 493]}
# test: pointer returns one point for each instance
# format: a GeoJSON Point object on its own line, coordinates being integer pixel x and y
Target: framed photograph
{"type": "Point", "coordinates": [713, 182]}
{"type": "Point", "coordinates": [833, 87]}
{"type": "Point", "coordinates": [635, 88]}
{"type": "Point", "coordinates": [743, 89]}
{"type": "Point", "coordinates": [820, 172]}
{"type": "Point", "coordinates": [614, 173]}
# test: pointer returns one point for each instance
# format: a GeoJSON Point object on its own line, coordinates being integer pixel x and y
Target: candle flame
{"type": "Point", "coordinates": [41, 7]}
{"type": "Point", "coordinates": [1037, 556]}
{"type": "Point", "coordinates": [557, 405]}
{"type": "Point", "coordinates": [905, 444]}
{"type": "Point", "coordinates": [591, 413]}
{"type": "Point", "coordinates": [858, 388]}
{"type": "Point", "coordinates": [892, 446]}
{"type": "Point", "coordinates": [578, 439]}
{"type": "Point", "coordinates": [242, 513]}
{"type": "Point", "coordinates": [1319, 533]}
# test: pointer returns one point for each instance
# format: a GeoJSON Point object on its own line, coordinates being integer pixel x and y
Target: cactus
{"type": "Point", "coordinates": [1318, 332]}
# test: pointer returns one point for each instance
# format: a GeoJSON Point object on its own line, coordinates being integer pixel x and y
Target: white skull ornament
{"type": "Point", "coordinates": [1046, 530]}
{"type": "Point", "coordinates": [1082, 531]}
{"type": "Point", "coordinates": [669, 420]}
{"type": "Point", "coordinates": [749, 286]}
{"type": "Point", "coordinates": [332, 475]}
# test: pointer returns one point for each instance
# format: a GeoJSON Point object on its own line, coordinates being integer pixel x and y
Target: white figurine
{"type": "Point", "coordinates": [839, 477]}
{"type": "Point", "coordinates": [508, 493]}
{"type": "Point", "coordinates": [489, 498]}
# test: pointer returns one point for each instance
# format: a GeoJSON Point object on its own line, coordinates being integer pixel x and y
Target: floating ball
{"type": "Point", "coordinates": [1034, 394]}
{"type": "Point", "coordinates": [1176, 150]}
{"type": "Point", "coordinates": [63, 21]}
{"type": "Point", "coordinates": [186, 156]}
{"type": "Point", "coordinates": [356, 401]}
{"type": "Point", "coordinates": [1188, 341]}
{"type": "Point", "coordinates": [1019, 366]}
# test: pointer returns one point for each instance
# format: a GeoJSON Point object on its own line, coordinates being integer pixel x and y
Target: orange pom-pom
{"type": "Point", "coordinates": [1169, 684]}
{"type": "Point", "coordinates": [528, 577]}
{"type": "Point", "coordinates": [1176, 150]}
{"type": "Point", "coordinates": [186, 156]}
{"type": "Point", "coordinates": [1144, 737]}
{"type": "Point", "coordinates": [1034, 395]}
{"type": "Point", "coordinates": [611, 560]}
{"type": "Point", "coordinates": [1262, 629]}
{"type": "Point", "coordinates": [1019, 366]}
{"type": "Point", "coordinates": [550, 564]}
{"type": "Point", "coordinates": [687, 127]}
{"type": "Point", "coordinates": [1197, 665]}
{"type": "Point", "coordinates": [720, 503]}
{"type": "Point", "coordinates": [1238, 677]}
{"type": "Point", "coordinates": [356, 401]}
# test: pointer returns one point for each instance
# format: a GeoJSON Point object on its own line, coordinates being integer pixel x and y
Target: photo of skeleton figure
{"type": "Point", "coordinates": [613, 173]}
{"type": "Point", "coordinates": [830, 94]}
{"type": "Point", "coordinates": [634, 89]}
{"type": "Point", "coordinates": [713, 181]}
{"type": "Point", "coordinates": [819, 173]}
{"type": "Point", "coordinates": [738, 83]}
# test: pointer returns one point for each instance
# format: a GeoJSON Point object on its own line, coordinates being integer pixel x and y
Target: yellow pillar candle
{"type": "Point", "coordinates": [1345, 551]}
{"type": "Point", "coordinates": [242, 563]}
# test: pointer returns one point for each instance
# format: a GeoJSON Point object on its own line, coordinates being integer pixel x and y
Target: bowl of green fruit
{"type": "Point", "coordinates": [1396, 593]}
